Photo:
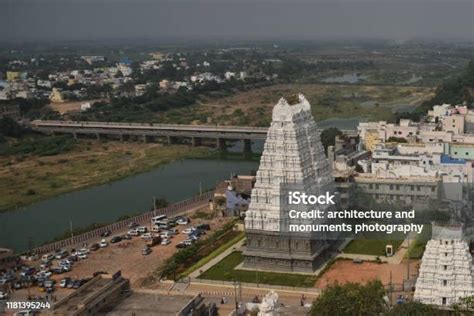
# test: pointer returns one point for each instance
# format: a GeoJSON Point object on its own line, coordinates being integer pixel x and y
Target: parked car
{"type": "Point", "coordinates": [82, 256]}
{"type": "Point", "coordinates": [182, 221]}
{"type": "Point", "coordinates": [106, 233]}
{"type": "Point", "coordinates": [3, 296]}
{"type": "Point", "coordinates": [47, 258]}
{"type": "Point", "coordinates": [97, 273]}
{"type": "Point", "coordinates": [146, 251]}
{"type": "Point", "coordinates": [166, 235]}
{"type": "Point", "coordinates": [27, 272]}
{"type": "Point", "coordinates": [142, 229]}
{"type": "Point", "coordinates": [64, 282]}
{"type": "Point", "coordinates": [43, 274]}
{"type": "Point", "coordinates": [49, 283]}
{"type": "Point", "coordinates": [61, 254]}
{"type": "Point", "coordinates": [116, 239]}
{"type": "Point", "coordinates": [94, 247]}
{"type": "Point", "coordinates": [188, 231]}
{"type": "Point", "coordinates": [147, 236]}
{"type": "Point", "coordinates": [83, 251]}
{"type": "Point", "coordinates": [165, 241]}
{"type": "Point", "coordinates": [58, 270]}
{"type": "Point", "coordinates": [103, 243]}
{"type": "Point", "coordinates": [133, 232]}
{"type": "Point", "coordinates": [45, 266]}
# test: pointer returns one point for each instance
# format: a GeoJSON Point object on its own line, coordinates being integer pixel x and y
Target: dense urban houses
{"type": "Point", "coordinates": [293, 159]}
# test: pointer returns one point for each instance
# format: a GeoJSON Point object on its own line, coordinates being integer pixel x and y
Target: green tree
{"type": "Point", "coordinates": [464, 306]}
{"type": "Point", "coordinates": [413, 309]}
{"type": "Point", "coordinates": [9, 127]}
{"type": "Point", "coordinates": [328, 137]}
{"type": "Point", "coordinates": [351, 299]}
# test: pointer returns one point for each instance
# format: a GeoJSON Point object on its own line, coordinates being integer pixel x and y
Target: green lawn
{"type": "Point", "coordinates": [214, 254]}
{"type": "Point", "coordinates": [224, 270]}
{"type": "Point", "coordinates": [375, 247]}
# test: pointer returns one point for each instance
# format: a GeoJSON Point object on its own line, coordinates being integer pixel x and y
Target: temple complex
{"type": "Point", "coordinates": [293, 159]}
{"type": "Point", "coordinates": [446, 268]}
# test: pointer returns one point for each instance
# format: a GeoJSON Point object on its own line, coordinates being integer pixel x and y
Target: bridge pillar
{"type": "Point", "coordinates": [196, 141]}
{"type": "Point", "coordinates": [247, 145]}
{"type": "Point", "coordinates": [172, 140]}
{"type": "Point", "coordinates": [74, 135]}
{"type": "Point", "coordinates": [220, 143]}
{"type": "Point", "coordinates": [147, 139]}
{"type": "Point", "coordinates": [97, 135]}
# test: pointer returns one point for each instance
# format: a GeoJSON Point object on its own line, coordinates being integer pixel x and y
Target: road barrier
{"type": "Point", "coordinates": [170, 210]}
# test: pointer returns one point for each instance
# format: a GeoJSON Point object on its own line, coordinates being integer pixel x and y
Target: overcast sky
{"type": "Point", "coordinates": [27, 20]}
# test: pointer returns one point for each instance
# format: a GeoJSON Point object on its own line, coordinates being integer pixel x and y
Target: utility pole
{"type": "Point", "coordinates": [235, 298]}
{"type": "Point", "coordinates": [408, 258]}
{"type": "Point", "coordinates": [390, 289]}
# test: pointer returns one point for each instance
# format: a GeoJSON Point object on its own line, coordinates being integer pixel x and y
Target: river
{"type": "Point", "coordinates": [40, 222]}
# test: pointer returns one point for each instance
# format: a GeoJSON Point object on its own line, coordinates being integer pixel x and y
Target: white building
{"type": "Point", "coordinates": [445, 273]}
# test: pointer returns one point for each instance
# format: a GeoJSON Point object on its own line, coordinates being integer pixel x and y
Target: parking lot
{"type": "Point", "coordinates": [127, 255]}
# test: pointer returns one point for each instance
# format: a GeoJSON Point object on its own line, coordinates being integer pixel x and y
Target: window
{"type": "Point", "coordinates": [445, 254]}
{"type": "Point", "coordinates": [443, 301]}
{"type": "Point", "coordinates": [445, 282]}
{"type": "Point", "coordinates": [445, 267]}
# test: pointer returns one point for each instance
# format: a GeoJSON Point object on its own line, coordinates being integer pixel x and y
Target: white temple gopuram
{"type": "Point", "coordinates": [293, 156]}
{"type": "Point", "coordinates": [446, 268]}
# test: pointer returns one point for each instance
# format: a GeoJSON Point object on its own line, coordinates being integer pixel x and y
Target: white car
{"type": "Point", "coordinates": [82, 256]}
{"type": "Point", "coordinates": [182, 221]}
{"type": "Point", "coordinates": [3, 296]}
{"type": "Point", "coordinates": [103, 243]}
{"type": "Point", "coordinates": [142, 229]}
{"type": "Point", "coordinates": [166, 241]}
{"type": "Point", "coordinates": [133, 232]}
{"type": "Point", "coordinates": [155, 229]}
{"type": "Point", "coordinates": [147, 236]}
{"type": "Point", "coordinates": [83, 251]}
{"type": "Point", "coordinates": [188, 231]}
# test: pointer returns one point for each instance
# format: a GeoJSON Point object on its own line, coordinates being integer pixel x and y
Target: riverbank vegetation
{"type": "Point", "coordinates": [29, 178]}
{"type": "Point", "coordinates": [253, 108]}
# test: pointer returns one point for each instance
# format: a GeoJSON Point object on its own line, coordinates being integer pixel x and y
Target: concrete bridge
{"type": "Point", "coordinates": [148, 131]}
